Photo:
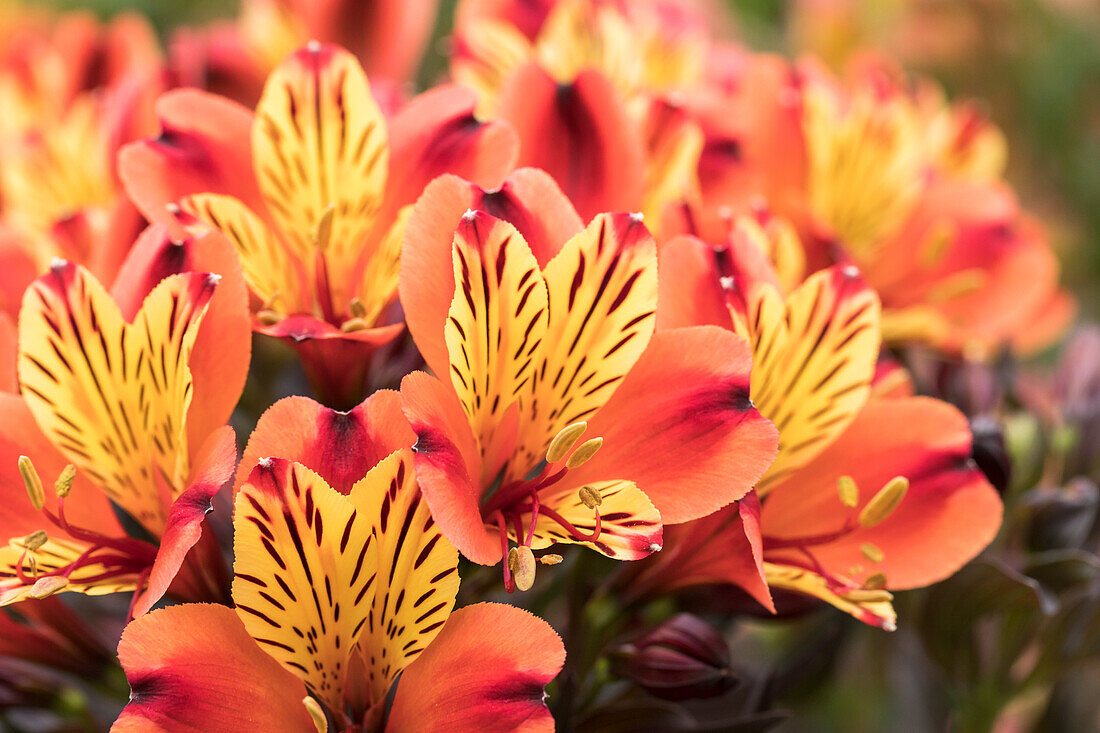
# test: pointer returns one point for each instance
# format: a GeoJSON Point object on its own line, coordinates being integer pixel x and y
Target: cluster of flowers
{"type": "Point", "coordinates": [654, 279]}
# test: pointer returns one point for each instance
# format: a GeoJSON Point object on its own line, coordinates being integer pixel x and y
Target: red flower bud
{"type": "Point", "coordinates": [681, 659]}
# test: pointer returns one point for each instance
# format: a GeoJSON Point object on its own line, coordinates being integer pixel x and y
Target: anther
{"type": "Point", "coordinates": [884, 502]}
{"type": "Point", "coordinates": [269, 317]}
{"type": "Point", "coordinates": [316, 713]}
{"type": "Point", "coordinates": [871, 552]}
{"type": "Point", "coordinates": [875, 582]}
{"type": "Point", "coordinates": [590, 497]}
{"type": "Point", "coordinates": [322, 233]}
{"type": "Point", "coordinates": [35, 540]}
{"type": "Point", "coordinates": [849, 492]}
{"type": "Point", "coordinates": [354, 324]}
{"type": "Point", "coordinates": [32, 482]}
{"type": "Point", "coordinates": [521, 561]}
{"type": "Point", "coordinates": [564, 441]}
{"type": "Point", "coordinates": [358, 310]}
{"type": "Point", "coordinates": [866, 595]}
{"type": "Point", "coordinates": [550, 559]}
{"type": "Point", "coordinates": [64, 483]}
{"type": "Point", "coordinates": [47, 586]}
{"type": "Point", "coordinates": [584, 453]}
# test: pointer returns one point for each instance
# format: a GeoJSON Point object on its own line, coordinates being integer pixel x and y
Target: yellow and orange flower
{"type": "Point", "coordinates": [343, 582]}
{"type": "Point", "coordinates": [132, 389]}
{"type": "Point", "coordinates": [556, 413]}
{"type": "Point", "coordinates": [313, 191]}
{"type": "Point", "coordinates": [870, 492]}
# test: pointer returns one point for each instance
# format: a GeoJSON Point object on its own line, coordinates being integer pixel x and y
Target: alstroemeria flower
{"type": "Point", "coordinates": [886, 175]}
{"type": "Point", "coordinates": [342, 591]}
{"type": "Point", "coordinates": [556, 414]}
{"type": "Point", "coordinates": [595, 91]}
{"type": "Point", "coordinates": [233, 58]}
{"type": "Point", "coordinates": [867, 493]}
{"type": "Point", "coordinates": [133, 389]}
{"type": "Point", "coordinates": [312, 189]}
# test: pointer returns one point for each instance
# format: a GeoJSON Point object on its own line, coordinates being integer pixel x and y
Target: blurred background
{"type": "Point", "coordinates": [1012, 643]}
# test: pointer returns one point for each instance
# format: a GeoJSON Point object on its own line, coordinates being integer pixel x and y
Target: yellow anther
{"type": "Point", "coordinates": [32, 482]}
{"type": "Point", "coordinates": [590, 497]}
{"type": "Point", "coordinates": [269, 317]}
{"type": "Point", "coordinates": [316, 713]}
{"type": "Point", "coordinates": [867, 595]}
{"type": "Point", "coordinates": [64, 483]}
{"type": "Point", "coordinates": [871, 552]}
{"type": "Point", "coordinates": [358, 310]}
{"type": "Point", "coordinates": [550, 559]}
{"type": "Point", "coordinates": [322, 233]}
{"type": "Point", "coordinates": [46, 587]}
{"type": "Point", "coordinates": [875, 582]}
{"type": "Point", "coordinates": [584, 453]}
{"type": "Point", "coordinates": [564, 441]}
{"type": "Point", "coordinates": [849, 492]}
{"type": "Point", "coordinates": [354, 324]}
{"type": "Point", "coordinates": [35, 539]}
{"type": "Point", "coordinates": [521, 561]}
{"type": "Point", "coordinates": [884, 502]}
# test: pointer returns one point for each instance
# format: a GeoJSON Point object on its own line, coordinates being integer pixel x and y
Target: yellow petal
{"type": "Point", "coordinates": [305, 565]}
{"type": "Point", "coordinates": [418, 571]}
{"type": "Point", "coordinates": [112, 396]}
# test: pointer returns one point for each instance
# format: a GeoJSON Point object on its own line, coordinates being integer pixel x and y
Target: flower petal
{"type": "Point", "coordinates": [688, 282]}
{"type": "Point", "coordinates": [193, 668]}
{"type": "Point", "coordinates": [681, 425]}
{"type": "Point", "coordinates": [305, 565]}
{"type": "Point", "coordinates": [485, 671]}
{"type": "Point", "coordinates": [416, 588]}
{"type": "Point", "coordinates": [114, 396]}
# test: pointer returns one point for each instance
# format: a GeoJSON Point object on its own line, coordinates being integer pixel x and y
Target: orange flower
{"type": "Point", "coordinates": [559, 415]}
{"type": "Point", "coordinates": [339, 589]}
{"type": "Point", "coordinates": [133, 390]}
{"type": "Point", "coordinates": [869, 492]}
{"type": "Point", "coordinates": [313, 192]}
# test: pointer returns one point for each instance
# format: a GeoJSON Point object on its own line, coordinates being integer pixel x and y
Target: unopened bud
{"type": "Point", "coordinates": [550, 559]}
{"type": "Point", "coordinates": [47, 586]}
{"type": "Point", "coordinates": [521, 561]}
{"type": "Point", "coordinates": [32, 482]}
{"type": "Point", "coordinates": [871, 552]}
{"type": "Point", "coordinates": [590, 497]}
{"type": "Point", "coordinates": [316, 713]}
{"type": "Point", "coordinates": [64, 483]}
{"type": "Point", "coordinates": [35, 540]}
{"type": "Point", "coordinates": [883, 504]}
{"type": "Point", "coordinates": [564, 441]}
{"type": "Point", "coordinates": [584, 453]}
{"type": "Point", "coordinates": [849, 492]}
{"type": "Point", "coordinates": [682, 659]}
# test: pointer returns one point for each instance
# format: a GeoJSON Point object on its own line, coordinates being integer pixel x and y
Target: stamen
{"type": "Point", "coordinates": [316, 713]}
{"type": "Point", "coordinates": [849, 492]}
{"type": "Point", "coordinates": [64, 483]}
{"type": "Point", "coordinates": [564, 441]}
{"type": "Point", "coordinates": [35, 540]}
{"type": "Point", "coordinates": [269, 317]}
{"type": "Point", "coordinates": [584, 453]}
{"type": "Point", "coordinates": [504, 551]}
{"type": "Point", "coordinates": [871, 552]}
{"type": "Point", "coordinates": [521, 561]}
{"type": "Point", "coordinates": [358, 310]}
{"type": "Point", "coordinates": [590, 497]}
{"type": "Point", "coordinates": [354, 324]}
{"type": "Point", "coordinates": [550, 559]}
{"type": "Point", "coordinates": [47, 586]}
{"type": "Point", "coordinates": [322, 232]}
{"type": "Point", "coordinates": [883, 504]}
{"type": "Point", "coordinates": [32, 482]}
{"type": "Point", "coordinates": [875, 582]}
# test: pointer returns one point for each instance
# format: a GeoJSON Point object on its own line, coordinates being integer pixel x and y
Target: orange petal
{"type": "Point", "coordinates": [195, 668]}
{"type": "Point", "coordinates": [949, 514]}
{"type": "Point", "coordinates": [681, 425]}
{"type": "Point", "coordinates": [581, 134]}
{"type": "Point", "coordinates": [688, 285]}
{"type": "Point", "coordinates": [486, 671]}
{"type": "Point", "coordinates": [529, 200]}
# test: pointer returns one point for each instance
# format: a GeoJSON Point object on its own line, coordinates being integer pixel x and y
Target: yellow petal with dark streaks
{"type": "Point", "coordinates": [630, 526]}
{"type": "Point", "coordinates": [418, 571]}
{"type": "Point", "coordinates": [305, 567]}
{"type": "Point", "coordinates": [271, 272]}
{"type": "Point", "coordinates": [602, 294]}
{"type": "Point", "coordinates": [813, 360]}
{"type": "Point", "coordinates": [319, 140]}
{"type": "Point", "coordinates": [497, 321]}
{"type": "Point", "coordinates": [112, 396]}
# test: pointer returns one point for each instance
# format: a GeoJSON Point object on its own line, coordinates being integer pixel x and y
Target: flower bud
{"type": "Point", "coordinates": [989, 452]}
{"type": "Point", "coordinates": [682, 659]}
